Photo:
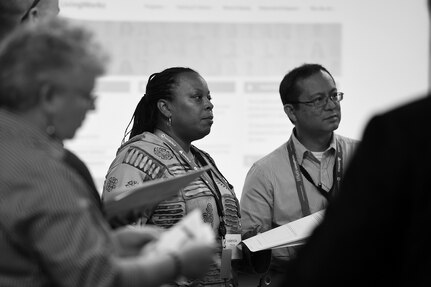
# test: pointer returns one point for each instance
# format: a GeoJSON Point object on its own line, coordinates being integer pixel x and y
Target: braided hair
{"type": "Point", "coordinates": [160, 86]}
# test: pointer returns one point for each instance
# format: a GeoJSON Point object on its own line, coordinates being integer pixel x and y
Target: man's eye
{"type": "Point", "coordinates": [318, 100]}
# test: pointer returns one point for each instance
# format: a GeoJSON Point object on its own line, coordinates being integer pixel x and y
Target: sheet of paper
{"type": "Point", "coordinates": [290, 234]}
{"type": "Point", "coordinates": [149, 193]}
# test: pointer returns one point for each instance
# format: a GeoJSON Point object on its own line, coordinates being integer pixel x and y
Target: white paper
{"type": "Point", "coordinates": [288, 235]}
{"type": "Point", "coordinates": [191, 227]}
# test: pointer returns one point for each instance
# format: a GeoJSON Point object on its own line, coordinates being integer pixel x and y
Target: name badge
{"type": "Point", "coordinates": [232, 242]}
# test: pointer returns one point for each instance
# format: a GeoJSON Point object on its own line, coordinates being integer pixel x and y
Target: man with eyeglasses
{"type": "Point", "coordinates": [376, 231]}
{"type": "Point", "coordinates": [15, 12]}
{"type": "Point", "coordinates": [272, 194]}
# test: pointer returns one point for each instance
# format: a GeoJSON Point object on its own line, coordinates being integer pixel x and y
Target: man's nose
{"type": "Point", "coordinates": [331, 104]}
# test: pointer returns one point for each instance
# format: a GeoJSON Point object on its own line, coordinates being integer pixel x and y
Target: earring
{"type": "Point", "coordinates": [50, 130]}
{"type": "Point", "coordinates": [169, 122]}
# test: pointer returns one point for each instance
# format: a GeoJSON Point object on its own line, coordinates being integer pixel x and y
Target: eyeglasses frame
{"type": "Point", "coordinates": [327, 98]}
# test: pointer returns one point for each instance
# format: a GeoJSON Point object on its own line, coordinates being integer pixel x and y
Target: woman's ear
{"type": "Point", "coordinates": [33, 15]}
{"type": "Point", "coordinates": [290, 112]}
{"type": "Point", "coordinates": [164, 107]}
{"type": "Point", "coordinates": [48, 99]}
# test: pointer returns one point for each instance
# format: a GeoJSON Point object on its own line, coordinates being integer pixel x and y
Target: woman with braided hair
{"type": "Point", "coordinates": [175, 111]}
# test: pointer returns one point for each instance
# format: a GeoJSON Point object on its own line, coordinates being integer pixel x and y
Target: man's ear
{"type": "Point", "coordinates": [290, 111]}
{"type": "Point", "coordinates": [164, 107]}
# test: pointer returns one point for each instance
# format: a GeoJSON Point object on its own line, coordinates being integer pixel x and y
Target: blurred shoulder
{"type": "Point", "coordinates": [347, 142]}
{"type": "Point", "coordinates": [409, 118]}
{"type": "Point", "coordinates": [405, 126]}
{"type": "Point", "coordinates": [415, 110]}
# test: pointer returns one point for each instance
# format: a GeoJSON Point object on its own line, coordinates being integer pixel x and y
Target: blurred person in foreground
{"type": "Point", "coordinates": [16, 12]}
{"type": "Point", "coordinates": [175, 111]}
{"type": "Point", "coordinates": [303, 174]}
{"type": "Point", "coordinates": [375, 233]}
{"type": "Point", "coordinates": [51, 231]}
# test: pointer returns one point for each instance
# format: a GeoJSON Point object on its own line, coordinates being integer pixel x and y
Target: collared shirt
{"type": "Point", "coordinates": [269, 197]}
{"type": "Point", "coordinates": [321, 171]}
{"type": "Point", "coordinates": [51, 231]}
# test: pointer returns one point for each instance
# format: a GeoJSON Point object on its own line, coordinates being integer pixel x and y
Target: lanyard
{"type": "Point", "coordinates": [298, 171]}
{"type": "Point", "coordinates": [206, 177]}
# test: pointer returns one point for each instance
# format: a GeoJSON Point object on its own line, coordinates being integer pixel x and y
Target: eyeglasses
{"type": "Point", "coordinates": [89, 98]}
{"type": "Point", "coordinates": [34, 4]}
{"type": "Point", "coordinates": [321, 101]}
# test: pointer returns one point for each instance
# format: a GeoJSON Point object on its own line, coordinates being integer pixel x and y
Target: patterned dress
{"type": "Point", "coordinates": [149, 156]}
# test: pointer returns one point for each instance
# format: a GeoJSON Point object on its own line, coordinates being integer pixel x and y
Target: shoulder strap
{"type": "Point", "coordinates": [79, 167]}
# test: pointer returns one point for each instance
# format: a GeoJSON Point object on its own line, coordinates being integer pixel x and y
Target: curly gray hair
{"type": "Point", "coordinates": [36, 54]}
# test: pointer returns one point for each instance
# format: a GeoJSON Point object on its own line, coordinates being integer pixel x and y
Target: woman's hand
{"type": "Point", "coordinates": [130, 240]}
{"type": "Point", "coordinates": [195, 258]}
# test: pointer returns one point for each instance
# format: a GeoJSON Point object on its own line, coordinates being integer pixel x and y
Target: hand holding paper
{"type": "Point", "coordinates": [190, 228]}
{"type": "Point", "coordinates": [191, 240]}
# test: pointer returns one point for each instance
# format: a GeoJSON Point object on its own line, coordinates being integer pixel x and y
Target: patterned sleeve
{"type": "Point", "coordinates": [132, 167]}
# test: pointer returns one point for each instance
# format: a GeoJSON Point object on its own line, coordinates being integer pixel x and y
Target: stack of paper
{"type": "Point", "coordinates": [290, 234]}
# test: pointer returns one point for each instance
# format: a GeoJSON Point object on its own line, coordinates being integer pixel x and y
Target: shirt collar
{"type": "Point", "coordinates": [302, 151]}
